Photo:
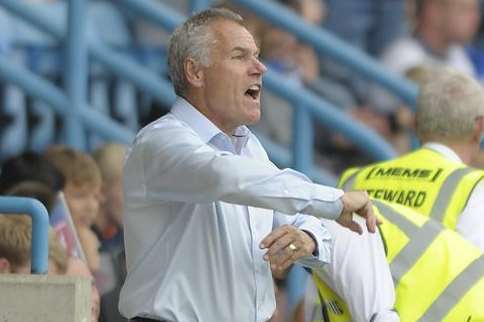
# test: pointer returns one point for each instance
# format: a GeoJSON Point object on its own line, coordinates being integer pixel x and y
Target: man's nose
{"type": "Point", "coordinates": [258, 68]}
{"type": "Point", "coordinates": [262, 68]}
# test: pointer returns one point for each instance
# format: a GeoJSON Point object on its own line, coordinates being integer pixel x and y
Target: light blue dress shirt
{"type": "Point", "coordinates": [197, 205]}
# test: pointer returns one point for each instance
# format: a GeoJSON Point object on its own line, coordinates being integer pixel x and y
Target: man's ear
{"type": "Point", "coordinates": [5, 266]}
{"type": "Point", "coordinates": [193, 72]}
{"type": "Point", "coordinates": [478, 128]}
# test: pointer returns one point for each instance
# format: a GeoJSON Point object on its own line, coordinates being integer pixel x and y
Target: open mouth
{"type": "Point", "coordinates": [253, 91]}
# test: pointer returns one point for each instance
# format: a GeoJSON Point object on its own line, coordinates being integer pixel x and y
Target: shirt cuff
{"type": "Point", "coordinates": [322, 252]}
{"type": "Point", "coordinates": [325, 209]}
{"type": "Point", "coordinates": [326, 202]}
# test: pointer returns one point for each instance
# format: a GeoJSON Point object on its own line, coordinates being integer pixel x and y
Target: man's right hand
{"type": "Point", "coordinates": [357, 202]}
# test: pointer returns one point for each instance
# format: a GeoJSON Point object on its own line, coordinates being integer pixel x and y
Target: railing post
{"type": "Point", "coordinates": [40, 228]}
{"type": "Point", "coordinates": [302, 139]}
{"type": "Point", "coordinates": [75, 76]}
{"type": "Point", "coordinates": [199, 5]}
{"type": "Point", "coordinates": [302, 160]}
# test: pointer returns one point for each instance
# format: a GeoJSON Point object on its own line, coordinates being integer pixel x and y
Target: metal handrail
{"type": "Point", "coordinates": [332, 47]}
{"type": "Point", "coordinates": [332, 117]}
{"type": "Point", "coordinates": [169, 19]}
{"type": "Point", "coordinates": [118, 63]}
{"type": "Point", "coordinates": [377, 147]}
{"type": "Point", "coordinates": [161, 90]}
{"type": "Point", "coordinates": [43, 90]}
{"type": "Point", "coordinates": [75, 72]}
{"type": "Point", "coordinates": [40, 228]}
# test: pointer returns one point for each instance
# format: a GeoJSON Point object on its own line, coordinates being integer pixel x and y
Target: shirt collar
{"type": "Point", "coordinates": [444, 150]}
{"type": "Point", "coordinates": [187, 113]}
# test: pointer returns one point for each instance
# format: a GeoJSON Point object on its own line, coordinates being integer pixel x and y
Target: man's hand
{"type": "Point", "coordinates": [286, 244]}
{"type": "Point", "coordinates": [357, 202]}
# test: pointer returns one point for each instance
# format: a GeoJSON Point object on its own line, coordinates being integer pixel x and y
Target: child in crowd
{"type": "Point", "coordinates": [109, 224]}
{"type": "Point", "coordinates": [15, 247]}
{"type": "Point", "coordinates": [82, 192]}
{"type": "Point", "coordinates": [36, 190]}
{"type": "Point", "coordinates": [29, 166]}
{"type": "Point", "coordinates": [77, 267]}
{"type": "Point", "coordinates": [110, 159]}
{"type": "Point", "coordinates": [15, 252]}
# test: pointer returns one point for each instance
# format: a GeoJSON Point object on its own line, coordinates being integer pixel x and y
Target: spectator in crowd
{"type": "Point", "coordinates": [15, 237]}
{"type": "Point", "coordinates": [296, 63]}
{"type": "Point", "coordinates": [110, 159]}
{"type": "Point", "coordinates": [82, 193]}
{"type": "Point", "coordinates": [369, 25]}
{"type": "Point", "coordinates": [475, 49]}
{"type": "Point", "coordinates": [30, 166]}
{"type": "Point", "coordinates": [33, 175]}
{"type": "Point", "coordinates": [36, 190]}
{"type": "Point", "coordinates": [110, 299]}
{"type": "Point", "coordinates": [436, 180]}
{"type": "Point", "coordinates": [58, 258]}
{"type": "Point", "coordinates": [201, 194]}
{"type": "Point", "coordinates": [15, 247]}
{"type": "Point", "coordinates": [76, 267]}
{"type": "Point", "coordinates": [109, 222]}
{"type": "Point", "coordinates": [443, 28]}
{"type": "Point", "coordinates": [374, 24]}
{"type": "Point", "coordinates": [278, 51]}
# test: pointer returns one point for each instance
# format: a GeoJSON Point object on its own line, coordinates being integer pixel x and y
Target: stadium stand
{"type": "Point", "coordinates": [134, 89]}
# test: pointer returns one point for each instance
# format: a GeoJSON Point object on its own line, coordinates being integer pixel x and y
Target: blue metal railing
{"type": "Point", "coordinates": [170, 19]}
{"type": "Point", "coordinates": [71, 106]}
{"type": "Point", "coordinates": [332, 47]}
{"type": "Point", "coordinates": [40, 228]}
{"type": "Point", "coordinates": [306, 103]}
{"type": "Point", "coordinates": [367, 139]}
{"type": "Point", "coordinates": [331, 117]}
{"type": "Point", "coordinates": [124, 67]}
{"type": "Point", "coordinates": [43, 90]}
{"type": "Point", "coordinates": [76, 72]}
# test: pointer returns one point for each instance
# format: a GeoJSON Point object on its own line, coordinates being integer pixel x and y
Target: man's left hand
{"type": "Point", "coordinates": [286, 244]}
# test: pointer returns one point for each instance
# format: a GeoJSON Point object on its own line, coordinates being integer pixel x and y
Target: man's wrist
{"type": "Point", "coordinates": [315, 251]}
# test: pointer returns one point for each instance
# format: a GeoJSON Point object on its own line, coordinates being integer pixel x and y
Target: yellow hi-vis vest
{"type": "Point", "coordinates": [438, 275]}
{"type": "Point", "coordinates": [423, 180]}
